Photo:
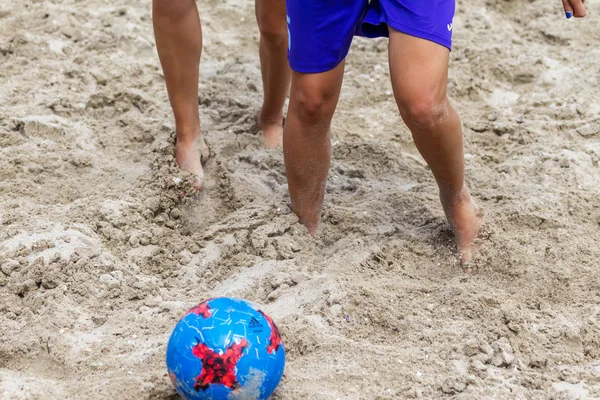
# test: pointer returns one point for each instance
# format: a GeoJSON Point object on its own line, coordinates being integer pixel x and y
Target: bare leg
{"type": "Point", "coordinates": [179, 42]}
{"type": "Point", "coordinates": [419, 71]}
{"type": "Point", "coordinates": [306, 142]}
{"type": "Point", "coordinates": [276, 74]}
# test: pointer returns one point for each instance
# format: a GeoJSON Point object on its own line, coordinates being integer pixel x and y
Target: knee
{"type": "Point", "coordinates": [314, 105]}
{"type": "Point", "coordinates": [172, 9]}
{"type": "Point", "coordinates": [425, 111]}
{"type": "Point", "coordinates": [273, 30]}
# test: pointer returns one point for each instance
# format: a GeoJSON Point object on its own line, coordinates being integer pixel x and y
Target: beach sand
{"type": "Point", "coordinates": [103, 246]}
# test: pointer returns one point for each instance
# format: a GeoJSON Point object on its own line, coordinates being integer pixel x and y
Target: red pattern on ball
{"type": "Point", "coordinates": [202, 309]}
{"type": "Point", "coordinates": [218, 368]}
{"type": "Point", "coordinates": [275, 338]}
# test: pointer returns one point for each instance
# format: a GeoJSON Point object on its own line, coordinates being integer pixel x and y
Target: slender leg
{"type": "Point", "coordinates": [179, 42]}
{"type": "Point", "coordinates": [419, 71]}
{"type": "Point", "coordinates": [306, 141]}
{"type": "Point", "coordinates": [276, 73]}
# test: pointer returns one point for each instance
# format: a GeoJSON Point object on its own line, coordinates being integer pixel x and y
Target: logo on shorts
{"type": "Point", "coordinates": [450, 27]}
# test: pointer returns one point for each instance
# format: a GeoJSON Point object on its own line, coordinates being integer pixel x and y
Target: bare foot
{"type": "Point", "coordinates": [189, 154]}
{"type": "Point", "coordinates": [465, 219]}
{"type": "Point", "coordinates": [312, 229]}
{"type": "Point", "coordinates": [272, 129]}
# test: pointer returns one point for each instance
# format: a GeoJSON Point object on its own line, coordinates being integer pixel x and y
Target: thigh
{"type": "Point", "coordinates": [430, 20]}
{"type": "Point", "coordinates": [418, 68]}
{"type": "Point", "coordinates": [321, 31]}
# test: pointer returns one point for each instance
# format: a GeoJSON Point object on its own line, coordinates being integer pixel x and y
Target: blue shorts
{"type": "Point", "coordinates": [320, 31]}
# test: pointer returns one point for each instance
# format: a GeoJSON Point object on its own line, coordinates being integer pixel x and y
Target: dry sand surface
{"type": "Point", "coordinates": [103, 247]}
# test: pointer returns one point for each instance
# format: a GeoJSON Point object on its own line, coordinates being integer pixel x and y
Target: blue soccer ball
{"type": "Point", "coordinates": [225, 348]}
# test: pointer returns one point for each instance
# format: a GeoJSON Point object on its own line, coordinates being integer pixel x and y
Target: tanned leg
{"type": "Point", "coordinates": [276, 73]}
{"type": "Point", "coordinates": [179, 42]}
{"type": "Point", "coordinates": [306, 141]}
{"type": "Point", "coordinates": [419, 71]}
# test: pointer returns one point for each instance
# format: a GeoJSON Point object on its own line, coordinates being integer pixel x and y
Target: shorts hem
{"type": "Point", "coordinates": [416, 32]}
{"type": "Point", "coordinates": [312, 68]}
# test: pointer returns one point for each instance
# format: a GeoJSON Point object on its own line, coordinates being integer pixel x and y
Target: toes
{"type": "Point", "coordinates": [199, 183]}
{"type": "Point", "coordinates": [199, 179]}
{"type": "Point", "coordinates": [465, 257]}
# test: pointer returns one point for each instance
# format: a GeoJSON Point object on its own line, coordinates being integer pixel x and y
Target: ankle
{"type": "Point", "coordinates": [187, 134]}
{"type": "Point", "coordinates": [452, 195]}
{"type": "Point", "coordinates": [270, 118]}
